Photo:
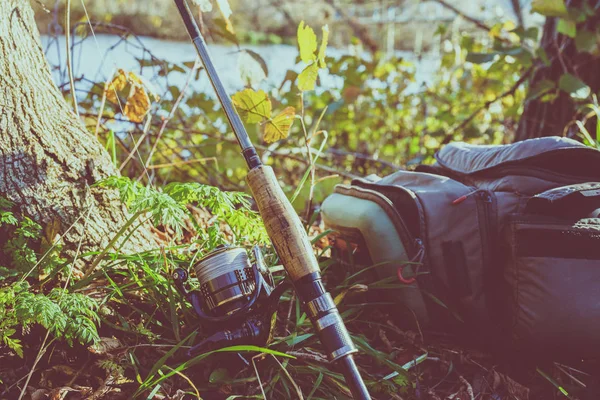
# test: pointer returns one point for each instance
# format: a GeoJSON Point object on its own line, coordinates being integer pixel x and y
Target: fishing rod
{"type": "Point", "coordinates": [289, 240]}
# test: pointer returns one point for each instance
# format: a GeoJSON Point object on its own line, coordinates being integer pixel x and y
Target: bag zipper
{"type": "Point", "coordinates": [524, 170]}
{"type": "Point", "coordinates": [487, 226]}
{"type": "Point", "coordinates": [416, 260]}
{"type": "Point", "coordinates": [535, 172]}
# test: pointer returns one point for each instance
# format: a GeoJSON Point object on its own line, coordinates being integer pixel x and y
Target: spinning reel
{"type": "Point", "coordinates": [236, 300]}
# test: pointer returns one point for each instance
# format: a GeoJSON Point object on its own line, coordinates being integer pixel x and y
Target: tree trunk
{"type": "Point", "coordinates": [550, 118]}
{"type": "Point", "coordinates": [48, 160]}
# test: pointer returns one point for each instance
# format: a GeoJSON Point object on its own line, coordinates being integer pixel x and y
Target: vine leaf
{"type": "Point", "coordinates": [586, 41]}
{"type": "Point", "coordinates": [224, 8]}
{"type": "Point", "coordinates": [567, 27]}
{"type": "Point", "coordinates": [308, 77]}
{"type": "Point", "coordinates": [205, 5]}
{"type": "Point", "coordinates": [323, 48]}
{"type": "Point", "coordinates": [307, 42]}
{"type": "Point", "coordinates": [253, 106]}
{"type": "Point", "coordinates": [226, 12]}
{"type": "Point", "coordinates": [279, 127]}
{"type": "Point", "coordinates": [252, 68]}
{"type": "Point", "coordinates": [576, 88]}
{"type": "Point", "coordinates": [550, 8]}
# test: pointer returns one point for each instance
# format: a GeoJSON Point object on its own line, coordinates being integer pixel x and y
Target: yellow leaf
{"type": "Point", "coordinates": [550, 8]}
{"type": "Point", "coordinates": [356, 288]}
{"type": "Point", "coordinates": [253, 106]}
{"type": "Point", "coordinates": [134, 79]}
{"type": "Point", "coordinates": [307, 42]}
{"type": "Point", "coordinates": [279, 127]}
{"type": "Point", "coordinates": [138, 104]}
{"type": "Point", "coordinates": [323, 48]}
{"type": "Point", "coordinates": [116, 85]}
{"type": "Point", "coordinates": [226, 13]}
{"type": "Point", "coordinates": [205, 5]}
{"type": "Point", "coordinates": [308, 77]}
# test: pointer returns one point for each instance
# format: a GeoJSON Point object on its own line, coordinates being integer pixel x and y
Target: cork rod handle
{"type": "Point", "coordinates": [282, 223]}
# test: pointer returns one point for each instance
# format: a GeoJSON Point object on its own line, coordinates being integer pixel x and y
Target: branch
{"type": "Point", "coordinates": [448, 138]}
{"type": "Point", "coordinates": [475, 21]}
{"type": "Point", "coordinates": [359, 30]}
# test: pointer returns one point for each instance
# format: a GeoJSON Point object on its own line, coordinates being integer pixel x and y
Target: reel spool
{"type": "Point", "coordinates": [226, 280]}
{"type": "Point", "coordinates": [229, 285]}
{"type": "Point", "coordinates": [236, 299]}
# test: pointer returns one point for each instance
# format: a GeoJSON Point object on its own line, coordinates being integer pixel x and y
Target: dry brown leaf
{"type": "Point", "coordinates": [138, 104]}
{"type": "Point", "coordinates": [116, 85]}
{"type": "Point", "coordinates": [105, 345]}
{"type": "Point", "coordinates": [514, 388]}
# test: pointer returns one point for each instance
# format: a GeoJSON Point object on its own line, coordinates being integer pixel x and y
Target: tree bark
{"type": "Point", "coordinates": [550, 118]}
{"type": "Point", "coordinates": [48, 160]}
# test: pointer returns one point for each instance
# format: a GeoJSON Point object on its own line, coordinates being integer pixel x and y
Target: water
{"type": "Point", "coordinates": [97, 59]}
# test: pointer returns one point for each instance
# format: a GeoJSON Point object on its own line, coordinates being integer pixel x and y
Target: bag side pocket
{"type": "Point", "coordinates": [553, 280]}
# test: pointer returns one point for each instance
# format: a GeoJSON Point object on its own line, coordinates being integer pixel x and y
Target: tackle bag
{"type": "Point", "coordinates": [502, 238]}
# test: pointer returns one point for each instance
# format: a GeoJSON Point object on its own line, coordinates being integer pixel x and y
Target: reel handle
{"type": "Point", "coordinates": [282, 223]}
{"type": "Point", "coordinates": [298, 258]}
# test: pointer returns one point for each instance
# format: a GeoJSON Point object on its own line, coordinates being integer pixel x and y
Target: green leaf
{"type": "Point", "coordinates": [541, 88]}
{"type": "Point", "coordinates": [307, 43]}
{"type": "Point", "coordinates": [279, 127]}
{"type": "Point", "coordinates": [15, 345]}
{"type": "Point", "coordinates": [586, 41]}
{"type": "Point", "coordinates": [567, 27]}
{"type": "Point", "coordinates": [576, 88]}
{"type": "Point", "coordinates": [252, 71]}
{"type": "Point", "coordinates": [480, 58]}
{"type": "Point", "coordinates": [323, 48]}
{"type": "Point", "coordinates": [298, 339]}
{"type": "Point", "coordinates": [308, 77]}
{"type": "Point", "coordinates": [549, 8]}
{"type": "Point", "coordinates": [542, 55]}
{"type": "Point", "coordinates": [219, 375]}
{"type": "Point", "coordinates": [253, 106]}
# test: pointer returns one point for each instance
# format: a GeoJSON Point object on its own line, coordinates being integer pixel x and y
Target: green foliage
{"type": "Point", "coordinates": [377, 117]}
{"type": "Point", "coordinates": [255, 107]}
{"type": "Point", "coordinates": [576, 88]}
{"type": "Point", "coordinates": [307, 43]}
{"type": "Point", "coordinates": [71, 316]}
{"type": "Point", "coordinates": [168, 207]}
{"type": "Point", "coordinates": [549, 8]}
{"type": "Point", "coordinates": [232, 207]}
{"type": "Point", "coordinates": [17, 254]}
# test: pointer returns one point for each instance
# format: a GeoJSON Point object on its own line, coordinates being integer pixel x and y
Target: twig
{"type": "Point", "coordinates": [185, 162]}
{"type": "Point", "coordinates": [68, 44]}
{"type": "Point", "coordinates": [308, 356]}
{"type": "Point", "coordinates": [455, 10]}
{"type": "Point", "coordinates": [137, 144]}
{"type": "Point", "coordinates": [260, 384]}
{"type": "Point", "coordinates": [171, 114]}
{"type": "Point", "coordinates": [102, 104]}
{"type": "Point", "coordinates": [359, 30]}
{"type": "Point", "coordinates": [292, 381]}
{"type": "Point", "coordinates": [289, 314]}
{"type": "Point", "coordinates": [468, 386]}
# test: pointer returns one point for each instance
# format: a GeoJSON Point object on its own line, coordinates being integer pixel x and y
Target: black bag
{"type": "Point", "coordinates": [504, 236]}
